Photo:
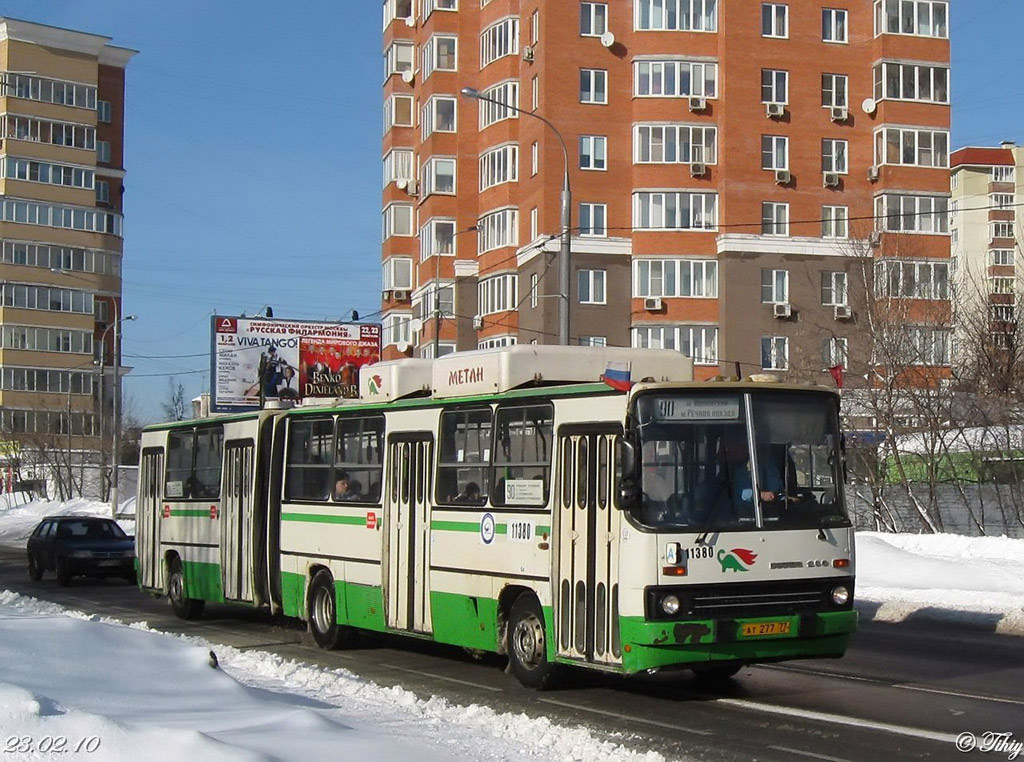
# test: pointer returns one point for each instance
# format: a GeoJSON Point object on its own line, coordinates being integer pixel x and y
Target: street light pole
{"type": "Point", "coordinates": [116, 437]}
{"type": "Point", "coordinates": [566, 217]}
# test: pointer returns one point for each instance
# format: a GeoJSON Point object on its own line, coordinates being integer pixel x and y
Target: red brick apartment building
{"type": "Point", "coordinates": [732, 164]}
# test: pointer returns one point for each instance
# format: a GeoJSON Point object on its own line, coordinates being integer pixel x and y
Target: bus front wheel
{"type": "Point", "coordinates": [184, 608]}
{"type": "Point", "coordinates": [527, 644]}
{"type": "Point", "coordinates": [323, 612]}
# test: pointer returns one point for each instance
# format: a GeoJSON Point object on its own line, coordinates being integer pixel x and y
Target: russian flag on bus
{"type": "Point", "coordinates": [618, 375]}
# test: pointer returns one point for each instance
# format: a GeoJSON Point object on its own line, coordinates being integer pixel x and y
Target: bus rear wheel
{"type": "Point", "coordinates": [184, 608]}
{"type": "Point", "coordinates": [527, 644]}
{"type": "Point", "coordinates": [323, 612]}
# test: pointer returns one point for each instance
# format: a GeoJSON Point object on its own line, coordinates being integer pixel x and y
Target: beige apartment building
{"type": "Point", "coordinates": [61, 188]}
{"type": "Point", "coordinates": [732, 166]}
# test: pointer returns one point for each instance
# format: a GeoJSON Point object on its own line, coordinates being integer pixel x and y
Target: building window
{"type": "Point", "coordinates": [690, 278]}
{"type": "Point", "coordinates": [928, 345]}
{"type": "Point", "coordinates": [102, 192]}
{"type": "Point", "coordinates": [437, 239]}
{"type": "Point", "coordinates": [674, 144]}
{"type": "Point", "coordinates": [835, 222]}
{"type": "Point", "coordinates": [834, 351]}
{"type": "Point", "coordinates": [1001, 201]}
{"type": "Point", "coordinates": [497, 229]}
{"type": "Point", "coordinates": [534, 158]}
{"type": "Point", "coordinates": [61, 216]}
{"type": "Point", "coordinates": [833, 156]}
{"type": "Point", "coordinates": [494, 342]}
{"type": "Point", "coordinates": [774, 86]}
{"type": "Point", "coordinates": [397, 112]}
{"type": "Point", "coordinates": [911, 82]}
{"type": "Point", "coordinates": [534, 225]}
{"type": "Point", "coordinates": [774, 152]}
{"type": "Point", "coordinates": [103, 151]}
{"type": "Point", "coordinates": [593, 341]}
{"type": "Point", "coordinates": [699, 342]}
{"type": "Point", "coordinates": [49, 90]}
{"type": "Point", "coordinates": [26, 297]}
{"type": "Point", "coordinates": [1002, 230]}
{"type": "Point", "coordinates": [1002, 174]}
{"type": "Point", "coordinates": [534, 285]}
{"type": "Point", "coordinates": [593, 219]}
{"type": "Point", "coordinates": [676, 15]}
{"type": "Point", "coordinates": [35, 171]}
{"type": "Point", "coordinates": [834, 289]}
{"type": "Point", "coordinates": [499, 165]}
{"type": "Point", "coordinates": [912, 214]}
{"type": "Point", "coordinates": [399, 165]}
{"type": "Point", "coordinates": [46, 339]}
{"type": "Point", "coordinates": [397, 329]}
{"type": "Point", "coordinates": [834, 90]}
{"type": "Point", "coordinates": [591, 287]}
{"type": "Point", "coordinates": [504, 93]}
{"type": "Point", "coordinates": [998, 257]}
{"type": "Point", "coordinates": [774, 218]}
{"type": "Point", "coordinates": [440, 53]}
{"type": "Point", "coordinates": [399, 57]}
{"type": "Point", "coordinates": [774, 353]}
{"type": "Point", "coordinates": [774, 20]}
{"type": "Point", "coordinates": [397, 274]}
{"type": "Point", "coordinates": [498, 294]}
{"type": "Point", "coordinates": [104, 112]}
{"type": "Point", "coordinates": [912, 147]}
{"type": "Point", "coordinates": [675, 210]}
{"type": "Point", "coordinates": [429, 6]}
{"type": "Point", "coordinates": [1001, 285]}
{"type": "Point", "coordinates": [535, 92]}
{"type": "Point", "coordinates": [675, 79]}
{"type": "Point", "coordinates": [438, 176]}
{"type": "Point", "coordinates": [833, 25]}
{"type": "Point", "coordinates": [593, 152]}
{"type": "Point", "coordinates": [593, 19]}
{"type": "Point", "coordinates": [48, 131]}
{"type": "Point", "coordinates": [499, 40]}
{"type": "Point", "coordinates": [593, 86]}
{"type": "Point", "coordinates": [438, 116]}
{"type": "Point", "coordinates": [903, 279]}
{"type": "Point", "coordinates": [397, 9]}
{"type": "Point", "coordinates": [774, 286]}
{"type": "Point", "coordinates": [534, 27]}
{"type": "Point", "coordinates": [926, 18]}
{"type": "Point", "coordinates": [60, 258]}
{"type": "Point", "coordinates": [397, 220]}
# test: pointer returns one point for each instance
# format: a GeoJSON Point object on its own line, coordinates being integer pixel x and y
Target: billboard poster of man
{"type": "Point", "coordinates": [259, 359]}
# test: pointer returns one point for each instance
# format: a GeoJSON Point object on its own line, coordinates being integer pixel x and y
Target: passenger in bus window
{"type": "Point", "coordinates": [341, 486]}
{"type": "Point", "coordinates": [470, 495]}
{"type": "Point", "coordinates": [355, 490]}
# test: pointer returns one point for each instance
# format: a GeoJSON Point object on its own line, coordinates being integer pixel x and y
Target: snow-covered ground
{"type": "Point", "coordinates": [162, 699]}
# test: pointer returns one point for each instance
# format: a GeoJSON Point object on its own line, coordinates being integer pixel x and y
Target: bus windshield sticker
{"type": "Point", "coordinates": [698, 409]}
{"type": "Point", "coordinates": [524, 492]}
{"type": "Point", "coordinates": [174, 489]}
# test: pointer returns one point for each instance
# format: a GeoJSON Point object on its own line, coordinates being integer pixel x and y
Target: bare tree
{"type": "Point", "coordinates": [175, 408]}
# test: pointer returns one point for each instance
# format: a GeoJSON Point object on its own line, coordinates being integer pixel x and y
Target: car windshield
{"type": "Point", "coordinates": [696, 455]}
{"type": "Point", "coordinates": [90, 530]}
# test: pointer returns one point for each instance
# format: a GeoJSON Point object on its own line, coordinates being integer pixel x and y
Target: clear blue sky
{"type": "Point", "coordinates": [253, 157]}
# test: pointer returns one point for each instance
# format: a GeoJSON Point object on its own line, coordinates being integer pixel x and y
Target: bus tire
{"type": "Point", "coordinates": [710, 672]}
{"type": "Point", "coordinates": [527, 644]}
{"type": "Point", "coordinates": [323, 612]}
{"type": "Point", "coordinates": [184, 608]}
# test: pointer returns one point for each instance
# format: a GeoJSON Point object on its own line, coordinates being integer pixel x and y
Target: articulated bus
{"type": "Point", "coordinates": [512, 501]}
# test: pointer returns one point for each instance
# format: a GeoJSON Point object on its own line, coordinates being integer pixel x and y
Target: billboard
{"type": "Point", "coordinates": [259, 359]}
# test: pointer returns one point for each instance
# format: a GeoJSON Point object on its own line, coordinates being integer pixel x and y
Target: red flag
{"type": "Point", "coordinates": [837, 374]}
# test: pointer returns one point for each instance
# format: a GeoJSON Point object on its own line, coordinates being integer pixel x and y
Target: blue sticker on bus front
{"type": "Point", "coordinates": [487, 529]}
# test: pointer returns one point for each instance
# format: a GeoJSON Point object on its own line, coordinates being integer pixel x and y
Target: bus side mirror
{"type": "Point", "coordinates": [629, 489]}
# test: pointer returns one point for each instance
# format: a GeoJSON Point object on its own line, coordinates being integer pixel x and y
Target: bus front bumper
{"type": "Point", "coordinates": [646, 645]}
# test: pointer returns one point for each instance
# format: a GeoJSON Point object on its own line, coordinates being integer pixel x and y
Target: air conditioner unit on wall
{"type": "Point", "coordinates": [698, 169]}
{"type": "Point", "coordinates": [401, 295]}
{"type": "Point", "coordinates": [698, 103]}
{"type": "Point", "coordinates": [839, 114]}
{"type": "Point", "coordinates": [782, 177]}
{"type": "Point", "coordinates": [775, 110]}
{"type": "Point", "coordinates": [527, 53]}
{"type": "Point", "coordinates": [412, 187]}
{"type": "Point", "coordinates": [782, 310]}
{"type": "Point", "coordinates": [653, 304]}
{"type": "Point", "coordinates": [478, 322]}
{"type": "Point", "coordinates": [831, 180]}
{"type": "Point", "coordinates": [872, 173]}
{"type": "Point", "coordinates": [842, 312]}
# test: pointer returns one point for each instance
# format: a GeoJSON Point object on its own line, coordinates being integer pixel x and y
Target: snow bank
{"type": "Point", "coordinates": [18, 520]}
{"type": "Point", "coordinates": [976, 580]}
{"type": "Point", "coordinates": [147, 695]}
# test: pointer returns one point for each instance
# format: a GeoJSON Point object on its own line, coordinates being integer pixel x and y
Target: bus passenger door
{"type": "Point", "coordinates": [586, 602]}
{"type": "Point", "coordinates": [236, 546]}
{"type": "Point", "coordinates": [407, 523]}
{"type": "Point", "coordinates": [147, 530]}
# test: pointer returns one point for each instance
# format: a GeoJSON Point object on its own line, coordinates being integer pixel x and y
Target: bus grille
{"type": "Point", "coordinates": [754, 599]}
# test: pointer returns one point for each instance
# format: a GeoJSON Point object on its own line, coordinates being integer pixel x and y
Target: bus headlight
{"type": "Point", "coordinates": [670, 604]}
{"type": "Point", "coordinates": [840, 595]}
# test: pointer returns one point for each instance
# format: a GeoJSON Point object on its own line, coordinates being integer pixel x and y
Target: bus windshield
{"type": "Point", "coordinates": [696, 454]}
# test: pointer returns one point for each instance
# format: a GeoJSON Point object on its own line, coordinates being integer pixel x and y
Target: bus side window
{"type": "Point", "coordinates": [180, 444]}
{"type": "Point", "coordinates": [308, 459]}
{"type": "Point", "coordinates": [465, 454]}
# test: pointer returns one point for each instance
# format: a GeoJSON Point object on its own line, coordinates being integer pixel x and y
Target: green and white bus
{"type": "Point", "coordinates": [511, 501]}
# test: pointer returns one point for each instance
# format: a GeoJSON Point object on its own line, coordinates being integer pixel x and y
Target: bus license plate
{"type": "Point", "coordinates": [765, 628]}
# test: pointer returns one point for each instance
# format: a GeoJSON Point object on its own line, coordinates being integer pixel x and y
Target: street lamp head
{"type": "Point", "coordinates": [128, 317]}
{"type": "Point", "coordinates": [470, 92]}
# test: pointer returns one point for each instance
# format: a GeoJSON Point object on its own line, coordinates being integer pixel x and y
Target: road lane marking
{"type": "Point", "coordinates": [812, 755]}
{"type": "Point", "coordinates": [838, 719]}
{"type": "Point", "coordinates": [628, 718]}
{"type": "Point", "coordinates": [959, 694]}
{"type": "Point", "coordinates": [443, 677]}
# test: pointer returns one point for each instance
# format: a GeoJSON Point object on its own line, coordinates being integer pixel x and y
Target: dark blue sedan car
{"type": "Point", "coordinates": [80, 546]}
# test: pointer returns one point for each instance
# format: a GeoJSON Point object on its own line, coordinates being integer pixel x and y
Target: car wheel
{"type": "Point", "coordinates": [323, 613]}
{"type": "Point", "coordinates": [63, 572]}
{"type": "Point", "coordinates": [35, 571]}
{"type": "Point", "coordinates": [184, 608]}
{"type": "Point", "coordinates": [527, 644]}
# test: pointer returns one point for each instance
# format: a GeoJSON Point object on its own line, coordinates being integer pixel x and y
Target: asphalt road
{"type": "Point", "coordinates": [901, 693]}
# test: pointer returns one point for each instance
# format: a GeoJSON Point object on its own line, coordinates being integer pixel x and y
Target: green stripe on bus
{"type": "Point", "coordinates": [191, 512]}
{"type": "Point", "coordinates": [465, 526]}
{"type": "Point", "coordinates": [316, 518]}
